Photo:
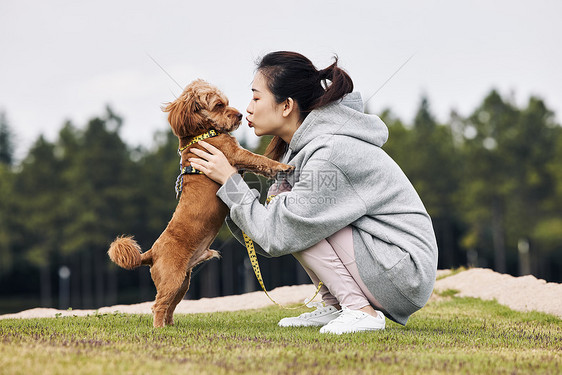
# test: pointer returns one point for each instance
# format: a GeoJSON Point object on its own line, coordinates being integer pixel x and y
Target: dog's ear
{"type": "Point", "coordinates": [184, 116]}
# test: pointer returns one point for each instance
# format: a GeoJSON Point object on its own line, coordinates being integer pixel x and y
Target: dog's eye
{"type": "Point", "coordinates": [219, 105]}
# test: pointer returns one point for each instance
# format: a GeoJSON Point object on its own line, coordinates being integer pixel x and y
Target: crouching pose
{"type": "Point", "coordinates": [347, 212]}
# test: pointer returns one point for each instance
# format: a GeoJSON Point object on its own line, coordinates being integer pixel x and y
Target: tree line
{"type": "Point", "coordinates": [491, 181]}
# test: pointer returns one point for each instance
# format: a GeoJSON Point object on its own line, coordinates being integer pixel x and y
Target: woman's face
{"type": "Point", "coordinates": [264, 114]}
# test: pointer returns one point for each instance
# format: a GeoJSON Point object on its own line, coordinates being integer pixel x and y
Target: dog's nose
{"type": "Point", "coordinates": [239, 116]}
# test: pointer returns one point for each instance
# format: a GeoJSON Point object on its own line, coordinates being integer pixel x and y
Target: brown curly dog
{"type": "Point", "coordinates": [200, 213]}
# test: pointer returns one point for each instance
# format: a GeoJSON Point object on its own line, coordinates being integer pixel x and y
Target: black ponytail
{"type": "Point", "coordinates": [341, 84]}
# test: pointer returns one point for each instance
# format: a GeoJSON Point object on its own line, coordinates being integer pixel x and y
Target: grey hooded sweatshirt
{"type": "Point", "coordinates": [343, 177]}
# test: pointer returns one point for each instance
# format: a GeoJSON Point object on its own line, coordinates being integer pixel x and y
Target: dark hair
{"type": "Point", "coordinates": [292, 75]}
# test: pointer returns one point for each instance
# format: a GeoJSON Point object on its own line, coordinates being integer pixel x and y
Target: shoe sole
{"type": "Point", "coordinates": [354, 331]}
{"type": "Point", "coordinates": [301, 325]}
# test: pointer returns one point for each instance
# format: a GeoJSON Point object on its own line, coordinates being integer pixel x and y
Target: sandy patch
{"type": "Point", "coordinates": [524, 293]}
{"type": "Point", "coordinates": [255, 300]}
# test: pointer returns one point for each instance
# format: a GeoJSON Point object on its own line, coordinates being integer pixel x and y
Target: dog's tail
{"type": "Point", "coordinates": [126, 253]}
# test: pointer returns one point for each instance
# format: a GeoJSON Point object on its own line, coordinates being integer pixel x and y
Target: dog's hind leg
{"type": "Point", "coordinates": [194, 261]}
{"type": "Point", "coordinates": [169, 318]}
{"type": "Point", "coordinates": [168, 283]}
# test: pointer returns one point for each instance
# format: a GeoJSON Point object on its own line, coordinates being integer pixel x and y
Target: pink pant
{"type": "Point", "coordinates": [332, 261]}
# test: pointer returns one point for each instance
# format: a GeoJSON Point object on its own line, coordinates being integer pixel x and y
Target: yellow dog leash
{"type": "Point", "coordinates": [255, 265]}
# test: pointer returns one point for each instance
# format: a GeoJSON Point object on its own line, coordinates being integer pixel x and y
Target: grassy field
{"type": "Point", "coordinates": [451, 335]}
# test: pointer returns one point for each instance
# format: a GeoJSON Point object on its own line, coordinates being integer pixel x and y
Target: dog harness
{"type": "Point", "coordinates": [189, 169]}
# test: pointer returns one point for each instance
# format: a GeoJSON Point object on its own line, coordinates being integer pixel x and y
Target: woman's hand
{"type": "Point", "coordinates": [214, 164]}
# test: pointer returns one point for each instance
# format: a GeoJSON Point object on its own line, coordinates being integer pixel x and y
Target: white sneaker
{"type": "Point", "coordinates": [350, 321]}
{"type": "Point", "coordinates": [319, 317]}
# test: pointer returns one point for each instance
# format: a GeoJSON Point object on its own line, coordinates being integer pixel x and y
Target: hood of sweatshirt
{"type": "Point", "coordinates": [343, 117]}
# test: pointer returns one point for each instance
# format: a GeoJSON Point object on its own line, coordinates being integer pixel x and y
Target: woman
{"type": "Point", "coordinates": [347, 213]}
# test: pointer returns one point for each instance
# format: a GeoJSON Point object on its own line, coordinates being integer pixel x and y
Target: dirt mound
{"type": "Point", "coordinates": [524, 293]}
{"type": "Point", "coordinates": [254, 300]}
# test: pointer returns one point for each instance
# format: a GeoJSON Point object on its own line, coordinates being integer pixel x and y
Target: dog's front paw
{"type": "Point", "coordinates": [280, 167]}
{"type": "Point", "coordinates": [287, 168]}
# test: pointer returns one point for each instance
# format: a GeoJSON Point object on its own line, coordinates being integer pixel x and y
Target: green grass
{"type": "Point", "coordinates": [452, 335]}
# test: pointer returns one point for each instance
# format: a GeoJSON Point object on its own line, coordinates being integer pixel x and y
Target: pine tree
{"type": "Point", "coordinates": [6, 142]}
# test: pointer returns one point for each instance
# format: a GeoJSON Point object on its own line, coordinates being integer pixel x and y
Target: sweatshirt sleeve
{"type": "Point", "coordinates": [320, 203]}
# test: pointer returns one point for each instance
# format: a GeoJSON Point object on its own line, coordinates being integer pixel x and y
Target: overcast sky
{"type": "Point", "coordinates": [68, 59]}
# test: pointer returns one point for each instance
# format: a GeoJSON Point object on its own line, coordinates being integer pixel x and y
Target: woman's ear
{"type": "Point", "coordinates": [288, 107]}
